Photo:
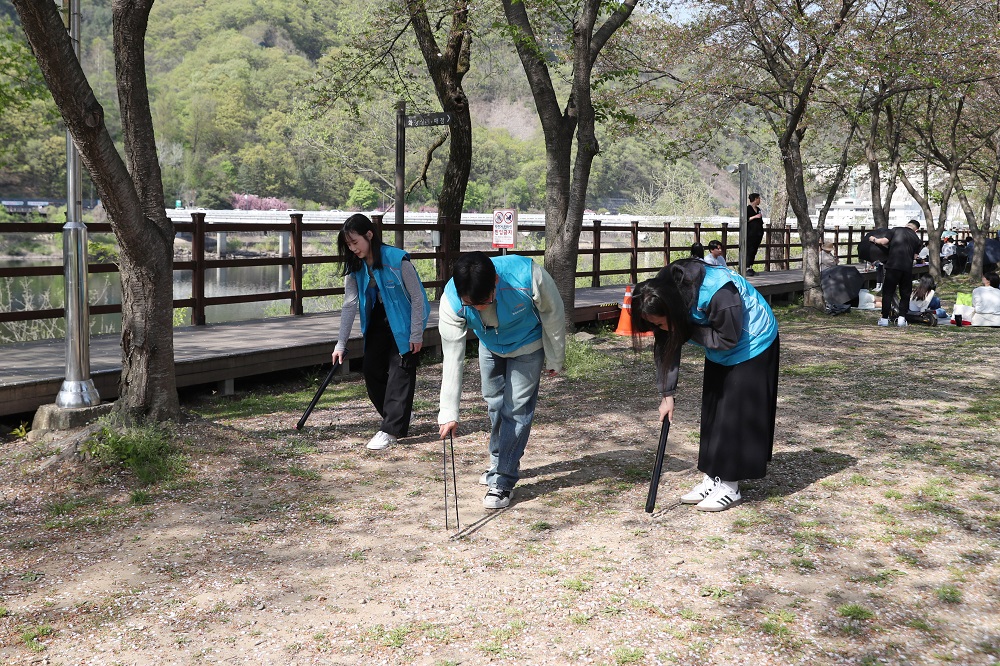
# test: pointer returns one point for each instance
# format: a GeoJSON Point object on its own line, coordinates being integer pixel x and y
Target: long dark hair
{"type": "Point", "coordinates": [359, 224]}
{"type": "Point", "coordinates": [924, 287]}
{"type": "Point", "coordinates": [670, 295]}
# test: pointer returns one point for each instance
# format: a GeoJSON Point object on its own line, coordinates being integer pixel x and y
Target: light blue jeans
{"type": "Point", "coordinates": [510, 388]}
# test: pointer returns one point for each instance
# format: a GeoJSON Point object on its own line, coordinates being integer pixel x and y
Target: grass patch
{"type": "Point", "coordinates": [259, 404]}
{"type": "Point", "coordinates": [576, 584]}
{"type": "Point", "coordinates": [140, 497]}
{"type": "Point", "coordinates": [880, 578]}
{"type": "Point", "coordinates": [583, 361]}
{"type": "Point", "coordinates": [716, 593]}
{"type": "Point", "coordinates": [31, 635]}
{"type": "Point", "coordinates": [855, 612]}
{"type": "Point", "coordinates": [304, 473]}
{"type": "Point", "coordinates": [56, 508]}
{"type": "Point", "coordinates": [949, 594]}
{"type": "Point", "coordinates": [147, 451]}
{"type": "Point", "coordinates": [625, 655]}
{"type": "Point", "coordinates": [775, 628]}
{"type": "Point", "coordinates": [816, 370]}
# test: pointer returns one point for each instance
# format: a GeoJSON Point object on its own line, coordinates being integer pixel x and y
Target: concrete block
{"type": "Point", "coordinates": [52, 417]}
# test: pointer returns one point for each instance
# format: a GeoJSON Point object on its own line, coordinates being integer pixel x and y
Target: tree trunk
{"type": "Point", "coordinates": [561, 249]}
{"type": "Point", "coordinates": [447, 68]}
{"type": "Point", "coordinates": [566, 181]}
{"type": "Point", "coordinates": [933, 233]}
{"type": "Point", "coordinates": [812, 292]}
{"type": "Point", "coordinates": [132, 196]}
{"type": "Point", "coordinates": [778, 251]}
{"type": "Point", "coordinates": [976, 230]}
{"type": "Point", "coordinates": [879, 214]}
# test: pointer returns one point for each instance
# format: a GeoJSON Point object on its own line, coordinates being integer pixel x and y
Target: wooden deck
{"type": "Point", "coordinates": [32, 372]}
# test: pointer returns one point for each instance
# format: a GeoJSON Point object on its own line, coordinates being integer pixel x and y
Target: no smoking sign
{"type": "Point", "coordinates": [504, 228]}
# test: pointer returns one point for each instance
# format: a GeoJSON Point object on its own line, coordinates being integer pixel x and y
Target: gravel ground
{"type": "Point", "coordinates": [873, 540]}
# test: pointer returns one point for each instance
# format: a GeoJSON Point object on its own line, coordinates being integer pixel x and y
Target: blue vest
{"type": "Point", "coordinates": [518, 319]}
{"type": "Point", "coordinates": [760, 328]}
{"type": "Point", "coordinates": [389, 280]}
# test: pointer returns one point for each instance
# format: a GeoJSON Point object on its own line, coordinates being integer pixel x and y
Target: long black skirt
{"type": "Point", "coordinates": [738, 407]}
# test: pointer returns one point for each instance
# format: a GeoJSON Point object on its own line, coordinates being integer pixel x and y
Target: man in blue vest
{"type": "Point", "coordinates": [514, 308]}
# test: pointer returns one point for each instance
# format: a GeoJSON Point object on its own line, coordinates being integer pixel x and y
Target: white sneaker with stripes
{"type": "Point", "coordinates": [701, 491]}
{"type": "Point", "coordinates": [721, 498]}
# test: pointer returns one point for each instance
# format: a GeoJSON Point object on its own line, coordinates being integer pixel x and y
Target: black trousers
{"type": "Point", "coordinates": [739, 404]}
{"type": "Point", "coordinates": [389, 377]}
{"type": "Point", "coordinates": [894, 278]}
{"type": "Point", "coordinates": [755, 235]}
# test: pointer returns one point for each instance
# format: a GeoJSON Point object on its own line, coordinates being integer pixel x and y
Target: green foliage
{"type": "Point", "coordinates": [21, 431]}
{"type": "Point", "coordinates": [148, 451]}
{"type": "Point", "coordinates": [20, 79]}
{"type": "Point", "coordinates": [102, 253]}
{"type": "Point", "coordinates": [362, 196]}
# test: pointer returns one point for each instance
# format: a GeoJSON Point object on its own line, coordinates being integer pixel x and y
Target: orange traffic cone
{"type": "Point", "coordinates": [625, 318]}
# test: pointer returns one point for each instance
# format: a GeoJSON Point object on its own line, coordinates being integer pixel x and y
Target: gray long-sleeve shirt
{"type": "Point", "coordinates": [413, 287]}
{"type": "Point", "coordinates": [725, 317]}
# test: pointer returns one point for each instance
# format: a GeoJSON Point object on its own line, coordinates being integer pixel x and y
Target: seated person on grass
{"type": "Point", "coordinates": [986, 301]}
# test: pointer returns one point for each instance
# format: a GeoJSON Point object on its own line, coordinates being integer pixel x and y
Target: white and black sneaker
{"type": "Point", "coordinates": [721, 498]}
{"type": "Point", "coordinates": [497, 498]}
{"type": "Point", "coordinates": [701, 491]}
{"type": "Point", "coordinates": [484, 479]}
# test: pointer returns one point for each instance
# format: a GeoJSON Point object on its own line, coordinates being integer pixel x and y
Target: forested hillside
{"type": "Point", "coordinates": [229, 89]}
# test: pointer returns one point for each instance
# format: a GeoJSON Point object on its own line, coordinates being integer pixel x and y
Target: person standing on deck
{"type": "Point", "coordinates": [755, 230]}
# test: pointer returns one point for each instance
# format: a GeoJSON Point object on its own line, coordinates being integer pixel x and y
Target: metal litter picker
{"type": "Point", "coordinates": [454, 482]}
{"type": "Point", "coordinates": [326, 382]}
{"type": "Point", "coordinates": [654, 483]}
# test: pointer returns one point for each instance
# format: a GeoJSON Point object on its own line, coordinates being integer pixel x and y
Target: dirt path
{"type": "Point", "coordinates": [874, 538]}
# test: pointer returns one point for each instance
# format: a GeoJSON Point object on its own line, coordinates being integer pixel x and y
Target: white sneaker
{"type": "Point", "coordinates": [484, 479]}
{"type": "Point", "coordinates": [381, 440]}
{"type": "Point", "coordinates": [497, 498]}
{"type": "Point", "coordinates": [883, 321]}
{"type": "Point", "coordinates": [720, 499]}
{"type": "Point", "coordinates": [699, 492]}
{"type": "Point", "coordinates": [901, 322]}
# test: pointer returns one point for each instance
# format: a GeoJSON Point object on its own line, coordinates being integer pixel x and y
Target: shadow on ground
{"type": "Point", "coordinates": [792, 471]}
{"type": "Point", "coordinates": [633, 465]}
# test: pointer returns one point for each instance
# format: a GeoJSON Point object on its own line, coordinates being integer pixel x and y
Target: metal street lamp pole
{"type": "Point", "coordinates": [744, 178]}
{"type": "Point", "coordinates": [78, 388]}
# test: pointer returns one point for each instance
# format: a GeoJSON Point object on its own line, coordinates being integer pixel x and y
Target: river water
{"type": "Point", "coordinates": [35, 293]}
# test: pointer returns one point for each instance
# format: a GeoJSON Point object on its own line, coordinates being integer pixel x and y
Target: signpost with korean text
{"type": "Point", "coordinates": [504, 229]}
{"type": "Point", "coordinates": [402, 122]}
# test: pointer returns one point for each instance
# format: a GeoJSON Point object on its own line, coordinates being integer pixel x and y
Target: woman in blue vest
{"type": "Point", "coordinates": [381, 282]}
{"type": "Point", "coordinates": [690, 301]}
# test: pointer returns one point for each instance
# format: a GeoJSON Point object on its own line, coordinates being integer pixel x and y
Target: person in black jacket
{"type": "Point", "coordinates": [755, 230]}
{"type": "Point", "coordinates": [904, 245]}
